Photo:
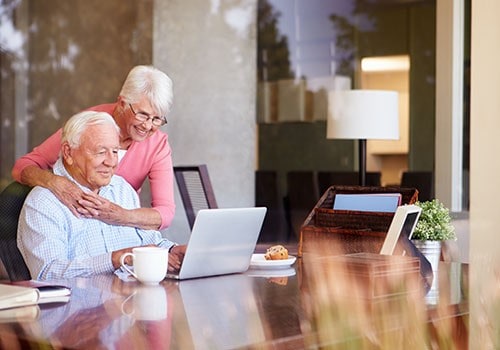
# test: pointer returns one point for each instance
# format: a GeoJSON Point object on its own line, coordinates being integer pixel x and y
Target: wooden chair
{"type": "Point", "coordinates": [423, 181]}
{"type": "Point", "coordinates": [195, 189]}
{"type": "Point", "coordinates": [11, 201]}
{"type": "Point", "coordinates": [267, 195]}
{"type": "Point", "coordinates": [345, 178]}
{"type": "Point", "coordinates": [302, 195]}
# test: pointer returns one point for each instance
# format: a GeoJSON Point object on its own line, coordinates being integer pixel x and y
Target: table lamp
{"type": "Point", "coordinates": [362, 115]}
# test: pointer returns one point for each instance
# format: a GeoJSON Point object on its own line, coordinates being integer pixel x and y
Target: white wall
{"type": "Point", "coordinates": [449, 102]}
{"type": "Point", "coordinates": [208, 48]}
{"type": "Point", "coordinates": [484, 173]}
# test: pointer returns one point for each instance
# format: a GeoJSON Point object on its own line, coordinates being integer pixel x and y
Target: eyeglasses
{"type": "Point", "coordinates": [143, 117]}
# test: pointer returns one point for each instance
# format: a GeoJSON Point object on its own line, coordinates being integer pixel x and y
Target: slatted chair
{"type": "Point", "coordinates": [345, 178]}
{"type": "Point", "coordinates": [11, 202]}
{"type": "Point", "coordinates": [267, 195]}
{"type": "Point", "coordinates": [195, 189]}
{"type": "Point", "coordinates": [423, 181]}
{"type": "Point", "coordinates": [302, 195]}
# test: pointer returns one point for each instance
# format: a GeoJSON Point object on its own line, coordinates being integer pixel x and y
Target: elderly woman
{"type": "Point", "coordinates": [140, 110]}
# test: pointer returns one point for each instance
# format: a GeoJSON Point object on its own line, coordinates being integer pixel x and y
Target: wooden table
{"type": "Point", "coordinates": [292, 308]}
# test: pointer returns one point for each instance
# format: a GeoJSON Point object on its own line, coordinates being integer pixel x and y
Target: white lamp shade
{"type": "Point", "coordinates": [363, 114]}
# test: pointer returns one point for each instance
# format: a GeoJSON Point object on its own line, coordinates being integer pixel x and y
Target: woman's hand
{"type": "Point", "coordinates": [94, 206]}
{"type": "Point", "coordinates": [91, 205]}
{"type": "Point", "coordinates": [67, 192]}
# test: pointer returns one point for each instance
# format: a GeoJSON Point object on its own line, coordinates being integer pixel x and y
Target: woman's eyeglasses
{"type": "Point", "coordinates": [143, 117]}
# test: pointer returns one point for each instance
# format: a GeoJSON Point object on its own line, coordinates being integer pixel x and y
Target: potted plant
{"type": "Point", "coordinates": [433, 227]}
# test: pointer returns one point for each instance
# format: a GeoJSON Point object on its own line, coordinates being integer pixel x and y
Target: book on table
{"type": "Point", "coordinates": [49, 292]}
{"type": "Point", "coordinates": [25, 293]}
{"type": "Point", "coordinates": [15, 296]}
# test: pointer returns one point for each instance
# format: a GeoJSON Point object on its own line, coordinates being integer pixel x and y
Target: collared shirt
{"type": "Point", "coordinates": [57, 244]}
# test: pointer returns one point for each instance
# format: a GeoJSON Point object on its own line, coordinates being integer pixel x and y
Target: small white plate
{"type": "Point", "coordinates": [259, 262]}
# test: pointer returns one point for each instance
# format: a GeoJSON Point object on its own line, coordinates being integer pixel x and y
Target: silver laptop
{"type": "Point", "coordinates": [222, 241]}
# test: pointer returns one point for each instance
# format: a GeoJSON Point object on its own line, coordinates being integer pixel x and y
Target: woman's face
{"type": "Point", "coordinates": [135, 125]}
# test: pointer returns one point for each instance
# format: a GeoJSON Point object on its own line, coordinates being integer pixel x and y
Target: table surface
{"type": "Point", "coordinates": [309, 304]}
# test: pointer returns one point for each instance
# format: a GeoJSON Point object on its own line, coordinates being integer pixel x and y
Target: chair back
{"type": "Point", "coordinates": [11, 201]}
{"type": "Point", "coordinates": [346, 178]}
{"type": "Point", "coordinates": [195, 189]}
{"type": "Point", "coordinates": [423, 181]}
{"type": "Point", "coordinates": [302, 195]}
{"type": "Point", "coordinates": [274, 228]}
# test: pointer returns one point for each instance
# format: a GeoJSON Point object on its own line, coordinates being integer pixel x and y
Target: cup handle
{"type": "Point", "coordinates": [122, 263]}
{"type": "Point", "coordinates": [124, 312]}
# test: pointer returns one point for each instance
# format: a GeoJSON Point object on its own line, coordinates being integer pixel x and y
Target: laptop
{"type": "Point", "coordinates": [222, 241]}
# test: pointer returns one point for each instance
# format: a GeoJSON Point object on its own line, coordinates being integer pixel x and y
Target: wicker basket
{"type": "Point", "coordinates": [347, 231]}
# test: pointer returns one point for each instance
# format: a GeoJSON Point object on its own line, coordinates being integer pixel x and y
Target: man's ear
{"type": "Point", "coordinates": [67, 153]}
{"type": "Point", "coordinates": [121, 101]}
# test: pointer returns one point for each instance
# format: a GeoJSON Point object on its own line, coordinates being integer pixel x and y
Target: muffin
{"type": "Point", "coordinates": [276, 252]}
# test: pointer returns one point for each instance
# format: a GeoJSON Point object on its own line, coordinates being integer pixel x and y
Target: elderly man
{"type": "Point", "coordinates": [57, 244]}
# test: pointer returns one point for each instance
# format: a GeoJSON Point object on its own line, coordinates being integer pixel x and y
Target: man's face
{"type": "Point", "coordinates": [92, 164]}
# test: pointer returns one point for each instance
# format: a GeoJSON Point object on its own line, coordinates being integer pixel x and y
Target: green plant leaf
{"type": "Point", "coordinates": [434, 223]}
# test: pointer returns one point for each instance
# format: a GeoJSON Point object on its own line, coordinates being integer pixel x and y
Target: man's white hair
{"type": "Point", "coordinates": [77, 124]}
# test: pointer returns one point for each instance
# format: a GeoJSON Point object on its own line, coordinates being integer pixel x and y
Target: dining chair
{"type": "Point", "coordinates": [423, 181]}
{"type": "Point", "coordinates": [345, 178]}
{"type": "Point", "coordinates": [11, 202]}
{"type": "Point", "coordinates": [195, 189]}
{"type": "Point", "coordinates": [274, 228]}
{"type": "Point", "coordinates": [302, 196]}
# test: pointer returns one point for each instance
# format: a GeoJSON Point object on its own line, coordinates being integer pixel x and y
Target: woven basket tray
{"type": "Point", "coordinates": [347, 231]}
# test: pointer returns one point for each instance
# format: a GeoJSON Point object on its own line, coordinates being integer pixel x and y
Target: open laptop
{"type": "Point", "coordinates": [222, 241]}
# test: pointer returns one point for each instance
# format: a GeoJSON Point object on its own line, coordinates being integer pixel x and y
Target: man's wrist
{"type": "Point", "coordinates": [172, 247]}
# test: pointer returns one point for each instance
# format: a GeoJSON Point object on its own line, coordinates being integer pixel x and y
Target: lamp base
{"type": "Point", "coordinates": [362, 162]}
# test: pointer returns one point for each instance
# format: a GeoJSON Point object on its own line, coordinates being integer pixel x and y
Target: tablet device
{"type": "Point", "coordinates": [379, 202]}
{"type": "Point", "coordinates": [404, 223]}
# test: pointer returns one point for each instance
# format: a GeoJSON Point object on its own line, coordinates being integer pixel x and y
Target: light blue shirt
{"type": "Point", "coordinates": [56, 244]}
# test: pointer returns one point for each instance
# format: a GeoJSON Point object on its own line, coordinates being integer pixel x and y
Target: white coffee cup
{"type": "Point", "coordinates": [150, 264]}
{"type": "Point", "coordinates": [147, 303]}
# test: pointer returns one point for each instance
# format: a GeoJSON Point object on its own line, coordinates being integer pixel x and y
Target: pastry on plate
{"type": "Point", "coordinates": [276, 252]}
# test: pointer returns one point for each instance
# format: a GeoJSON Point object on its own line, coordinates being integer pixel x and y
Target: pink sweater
{"type": "Point", "coordinates": [149, 158]}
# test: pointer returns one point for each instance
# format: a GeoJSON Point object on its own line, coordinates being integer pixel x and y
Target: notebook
{"type": "Point", "coordinates": [222, 242]}
{"type": "Point", "coordinates": [14, 296]}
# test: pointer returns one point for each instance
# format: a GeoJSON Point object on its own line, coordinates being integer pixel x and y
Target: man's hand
{"type": "Point", "coordinates": [117, 254]}
{"type": "Point", "coordinates": [175, 257]}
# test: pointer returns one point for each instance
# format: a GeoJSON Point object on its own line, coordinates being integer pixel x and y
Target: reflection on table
{"type": "Point", "coordinates": [305, 306]}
